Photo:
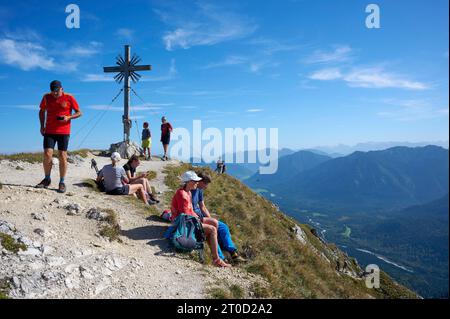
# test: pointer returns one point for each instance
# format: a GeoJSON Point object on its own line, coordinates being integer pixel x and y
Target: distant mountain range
{"type": "Point", "coordinates": [245, 170]}
{"type": "Point", "coordinates": [393, 202]}
{"type": "Point", "coordinates": [374, 181]}
{"type": "Point", "coordinates": [288, 166]}
{"type": "Point", "coordinates": [342, 149]}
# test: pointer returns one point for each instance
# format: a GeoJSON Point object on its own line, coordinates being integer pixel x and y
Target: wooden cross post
{"type": "Point", "coordinates": [126, 70]}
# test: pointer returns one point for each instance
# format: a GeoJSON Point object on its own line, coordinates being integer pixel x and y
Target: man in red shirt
{"type": "Point", "coordinates": [55, 114]}
{"type": "Point", "coordinates": [166, 129]}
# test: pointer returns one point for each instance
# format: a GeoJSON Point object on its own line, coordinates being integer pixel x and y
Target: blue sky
{"type": "Point", "coordinates": [310, 68]}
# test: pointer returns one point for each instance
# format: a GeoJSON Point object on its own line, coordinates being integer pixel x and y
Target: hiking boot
{"type": "Point", "coordinates": [237, 258]}
{"type": "Point", "coordinates": [153, 198]}
{"type": "Point", "coordinates": [45, 183]}
{"type": "Point", "coordinates": [62, 188]}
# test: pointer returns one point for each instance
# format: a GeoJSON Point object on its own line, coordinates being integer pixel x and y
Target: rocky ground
{"type": "Point", "coordinates": [65, 256]}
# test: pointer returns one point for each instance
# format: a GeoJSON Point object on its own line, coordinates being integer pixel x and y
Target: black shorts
{"type": "Point", "coordinates": [124, 190]}
{"type": "Point", "coordinates": [165, 139]}
{"type": "Point", "coordinates": [51, 139]}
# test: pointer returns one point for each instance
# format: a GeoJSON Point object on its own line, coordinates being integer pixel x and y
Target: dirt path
{"type": "Point", "coordinates": [67, 258]}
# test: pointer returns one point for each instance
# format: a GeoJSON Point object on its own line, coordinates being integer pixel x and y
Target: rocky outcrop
{"type": "Point", "coordinates": [126, 150]}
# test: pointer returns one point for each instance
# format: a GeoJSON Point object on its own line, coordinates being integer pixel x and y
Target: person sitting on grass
{"type": "Point", "coordinates": [223, 231]}
{"type": "Point", "coordinates": [130, 170]}
{"type": "Point", "coordinates": [116, 181]}
{"type": "Point", "coordinates": [182, 204]}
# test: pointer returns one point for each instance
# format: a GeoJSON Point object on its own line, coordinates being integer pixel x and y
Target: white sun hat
{"type": "Point", "coordinates": [190, 176]}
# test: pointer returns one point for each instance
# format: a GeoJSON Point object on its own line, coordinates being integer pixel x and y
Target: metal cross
{"type": "Point", "coordinates": [126, 70]}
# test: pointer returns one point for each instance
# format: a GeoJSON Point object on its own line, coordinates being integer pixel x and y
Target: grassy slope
{"type": "Point", "coordinates": [37, 157]}
{"type": "Point", "coordinates": [264, 235]}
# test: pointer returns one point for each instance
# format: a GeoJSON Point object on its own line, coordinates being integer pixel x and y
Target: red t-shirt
{"type": "Point", "coordinates": [166, 128]}
{"type": "Point", "coordinates": [55, 107]}
{"type": "Point", "coordinates": [182, 204]}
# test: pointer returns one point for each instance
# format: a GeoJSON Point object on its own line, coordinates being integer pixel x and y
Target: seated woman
{"type": "Point", "coordinates": [116, 181]}
{"type": "Point", "coordinates": [182, 204]}
{"type": "Point", "coordinates": [130, 170]}
{"type": "Point", "coordinates": [223, 232]}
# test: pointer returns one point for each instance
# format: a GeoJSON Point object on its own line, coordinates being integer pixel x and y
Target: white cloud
{"type": "Point", "coordinates": [231, 60]}
{"type": "Point", "coordinates": [25, 55]}
{"type": "Point", "coordinates": [171, 74]}
{"type": "Point", "coordinates": [28, 56]}
{"type": "Point", "coordinates": [254, 110]}
{"type": "Point", "coordinates": [207, 25]}
{"type": "Point", "coordinates": [326, 74]}
{"type": "Point", "coordinates": [85, 51]}
{"type": "Point", "coordinates": [372, 77]}
{"type": "Point", "coordinates": [97, 78]}
{"type": "Point", "coordinates": [270, 46]}
{"type": "Point", "coordinates": [105, 107]}
{"type": "Point", "coordinates": [340, 54]}
{"type": "Point", "coordinates": [29, 107]}
{"type": "Point", "coordinates": [413, 110]}
{"type": "Point", "coordinates": [133, 108]}
{"type": "Point", "coordinates": [125, 33]}
{"type": "Point", "coordinates": [378, 78]}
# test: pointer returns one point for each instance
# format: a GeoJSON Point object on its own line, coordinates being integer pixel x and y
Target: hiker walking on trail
{"type": "Point", "coordinates": [55, 115]}
{"type": "Point", "coordinates": [182, 204]}
{"type": "Point", "coordinates": [166, 129]}
{"type": "Point", "coordinates": [146, 141]}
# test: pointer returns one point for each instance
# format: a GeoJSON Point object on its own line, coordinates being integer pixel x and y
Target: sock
{"type": "Point", "coordinates": [61, 180]}
{"type": "Point", "coordinates": [47, 177]}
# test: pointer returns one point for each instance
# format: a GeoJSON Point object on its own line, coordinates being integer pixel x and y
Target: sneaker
{"type": "Point", "coordinates": [153, 198]}
{"type": "Point", "coordinates": [62, 188]}
{"type": "Point", "coordinates": [237, 258]}
{"type": "Point", "coordinates": [45, 183]}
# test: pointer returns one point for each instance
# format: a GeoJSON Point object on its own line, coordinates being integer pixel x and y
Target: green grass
{"type": "Point", "coordinates": [229, 292]}
{"type": "Point", "coordinates": [10, 244]}
{"type": "Point", "coordinates": [112, 228]}
{"type": "Point", "coordinates": [347, 232]}
{"type": "Point", "coordinates": [5, 286]}
{"type": "Point", "coordinates": [151, 175]}
{"type": "Point", "coordinates": [260, 190]}
{"type": "Point", "coordinates": [265, 237]}
{"type": "Point", "coordinates": [37, 157]}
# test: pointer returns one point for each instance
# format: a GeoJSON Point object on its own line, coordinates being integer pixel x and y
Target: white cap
{"type": "Point", "coordinates": [190, 176]}
{"type": "Point", "coordinates": [116, 157]}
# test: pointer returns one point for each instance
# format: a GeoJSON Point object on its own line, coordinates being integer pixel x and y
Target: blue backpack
{"type": "Point", "coordinates": [188, 233]}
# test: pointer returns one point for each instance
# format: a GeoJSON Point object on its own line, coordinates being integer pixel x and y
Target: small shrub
{"type": "Point", "coordinates": [5, 286]}
{"type": "Point", "coordinates": [151, 175]}
{"type": "Point", "coordinates": [112, 229]}
{"type": "Point", "coordinates": [10, 244]}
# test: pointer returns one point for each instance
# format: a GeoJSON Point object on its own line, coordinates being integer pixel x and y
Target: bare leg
{"type": "Point", "coordinates": [47, 161]}
{"type": "Point", "coordinates": [139, 189]}
{"type": "Point", "coordinates": [141, 181]}
{"type": "Point", "coordinates": [211, 235]}
{"type": "Point", "coordinates": [62, 163]}
{"type": "Point", "coordinates": [211, 221]}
